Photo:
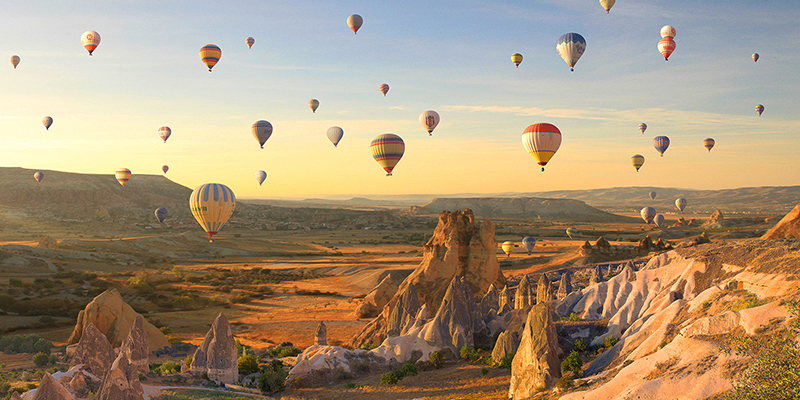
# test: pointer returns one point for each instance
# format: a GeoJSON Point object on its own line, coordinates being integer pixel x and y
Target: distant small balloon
{"type": "Point", "coordinates": [354, 22]}
{"type": "Point", "coordinates": [637, 160]}
{"type": "Point", "coordinates": [681, 203]}
{"type": "Point", "coordinates": [38, 176]}
{"type": "Point", "coordinates": [90, 40]}
{"type": "Point", "coordinates": [667, 31]}
{"type": "Point", "coordinates": [607, 4]}
{"type": "Point", "coordinates": [262, 130]}
{"type": "Point", "coordinates": [161, 213]}
{"type": "Point", "coordinates": [47, 121]}
{"type": "Point", "coordinates": [709, 144]}
{"type": "Point", "coordinates": [335, 134]}
{"type": "Point", "coordinates": [384, 89]}
{"type": "Point", "coordinates": [759, 109]}
{"type": "Point", "coordinates": [164, 132]}
{"type": "Point", "coordinates": [165, 168]}
{"type": "Point", "coordinates": [15, 61]}
{"type": "Point", "coordinates": [666, 46]}
{"type": "Point", "coordinates": [648, 213]}
{"type": "Point", "coordinates": [210, 54]}
{"type": "Point", "coordinates": [652, 195]}
{"type": "Point", "coordinates": [661, 143]}
{"type": "Point", "coordinates": [642, 127]}
{"type": "Point", "coordinates": [755, 57]}
{"type": "Point", "coordinates": [250, 41]}
{"type": "Point", "coordinates": [529, 243]}
{"type": "Point", "coordinates": [123, 175]}
{"type": "Point", "coordinates": [260, 177]}
{"type": "Point", "coordinates": [508, 247]}
{"type": "Point", "coordinates": [572, 232]}
{"type": "Point", "coordinates": [516, 58]}
{"type": "Point", "coordinates": [314, 104]}
{"type": "Point", "coordinates": [659, 220]}
{"type": "Point", "coordinates": [429, 120]}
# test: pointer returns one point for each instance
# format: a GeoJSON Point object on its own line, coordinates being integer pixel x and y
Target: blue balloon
{"type": "Point", "coordinates": [161, 213]}
{"type": "Point", "coordinates": [529, 243]}
{"type": "Point", "coordinates": [661, 143]}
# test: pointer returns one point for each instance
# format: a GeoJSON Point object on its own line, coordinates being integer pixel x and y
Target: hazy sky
{"type": "Point", "coordinates": [448, 56]}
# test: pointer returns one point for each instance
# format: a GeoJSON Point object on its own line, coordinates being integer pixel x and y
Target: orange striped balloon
{"type": "Point", "coordinates": [384, 89]}
{"type": "Point", "coordinates": [666, 46]}
{"type": "Point", "coordinates": [210, 54]}
{"type": "Point", "coordinates": [387, 150]}
{"type": "Point", "coordinates": [541, 141]}
{"type": "Point", "coordinates": [123, 175]}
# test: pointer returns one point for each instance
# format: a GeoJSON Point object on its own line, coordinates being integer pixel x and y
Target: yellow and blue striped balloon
{"type": "Point", "coordinates": [123, 175]}
{"type": "Point", "coordinates": [210, 54]}
{"type": "Point", "coordinates": [661, 143]}
{"type": "Point", "coordinates": [637, 160]}
{"type": "Point", "coordinates": [387, 150]}
{"type": "Point", "coordinates": [571, 47]}
{"type": "Point", "coordinates": [212, 204]}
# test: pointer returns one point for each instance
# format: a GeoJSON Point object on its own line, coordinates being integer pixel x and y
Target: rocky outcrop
{"type": "Point", "coordinates": [47, 242]}
{"type": "Point", "coordinates": [536, 365]}
{"type": "Point", "coordinates": [788, 226]}
{"type": "Point", "coordinates": [136, 348]}
{"type": "Point", "coordinates": [544, 292]}
{"type": "Point", "coordinates": [715, 217]}
{"type": "Point", "coordinates": [525, 296]}
{"type": "Point", "coordinates": [564, 286]}
{"type": "Point", "coordinates": [321, 334]}
{"type": "Point", "coordinates": [490, 302]}
{"type": "Point", "coordinates": [404, 314]}
{"type": "Point", "coordinates": [701, 239]}
{"type": "Point", "coordinates": [51, 389]}
{"type": "Point", "coordinates": [113, 318]}
{"type": "Point", "coordinates": [505, 298]}
{"type": "Point", "coordinates": [455, 323]}
{"type": "Point", "coordinates": [78, 384]}
{"type": "Point", "coordinates": [16, 396]}
{"type": "Point", "coordinates": [377, 298]}
{"type": "Point", "coordinates": [596, 276]}
{"type": "Point", "coordinates": [93, 351]}
{"type": "Point", "coordinates": [121, 382]}
{"type": "Point", "coordinates": [216, 356]}
{"type": "Point", "coordinates": [507, 343]}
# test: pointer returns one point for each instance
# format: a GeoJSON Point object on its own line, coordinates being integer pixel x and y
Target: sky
{"type": "Point", "coordinates": [450, 56]}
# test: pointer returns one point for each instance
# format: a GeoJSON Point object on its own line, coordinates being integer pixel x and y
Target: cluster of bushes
{"type": "Point", "coordinates": [38, 306]}
{"type": "Point", "coordinates": [272, 377]}
{"type": "Point", "coordinates": [167, 368]}
{"type": "Point", "coordinates": [285, 349]}
{"type": "Point", "coordinates": [391, 378]}
{"type": "Point", "coordinates": [31, 343]}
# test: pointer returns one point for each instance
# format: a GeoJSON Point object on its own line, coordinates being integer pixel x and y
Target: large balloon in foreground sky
{"type": "Point", "coordinates": [354, 22]}
{"type": "Point", "coordinates": [210, 54]}
{"type": "Point", "coordinates": [212, 204]}
{"type": "Point", "coordinates": [516, 58]}
{"type": "Point", "coordinates": [123, 175]}
{"type": "Point", "coordinates": [648, 213]}
{"type": "Point", "coordinates": [607, 4]}
{"type": "Point", "coordinates": [90, 40]}
{"type": "Point", "coordinates": [47, 121]}
{"type": "Point", "coordinates": [529, 243]}
{"type": "Point", "coordinates": [659, 220]}
{"type": "Point", "coordinates": [15, 61]}
{"type": "Point", "coordinates": [755, 57]}
{"type": "Point", "coordinates": [507, 247]}
{"type": "Point", "coordinates": [262, 130]}
{"type": "Point", "coordinates": [642, 127]}
{"type": "Point", "coordinates": [637, 160]}
{"type": "Point", "coordinates": [250, 42]}
{"type": "Point", "coordinates": [161, 213]}
{"type": "Point", "coordinates": [429, 119]}
{"type": "Point", "coordinates": [314, 104]}
{"type": "Point", "coordinates": [572, 232]}
{"type": "Point", "coordinates": [681, 203]}
{"type": "Point", "coordinates": [709, 144]}
{"type": "Point", "coordinates": [38, 176]}
{"type": "Point", "coordinates": [661, 143]}
{"type": "Point", "coordinates": [261, 176]}
{"type": "Point", "coordinates": [384, 89]}
{"type": "Point", "coordinates": [387, 150]}
{"type": "Point", "coordinates": [165, 168]}
{"type": "Point", "coordinates": [541, 141]}
{"type": "Point", "coordinates": [335, 134]}
{"type": "Point", "coordinates": [759, 109]}
{"type": "Point", "coordinates": [667, 31]}
{"type": "Point", "coordinates": [164, 132]}
{"type": "Point", "coordinates": [652, 195]}
{"type": "Point", "coordinates": [666, 46]}
{"type": "Point", "coordinates": [571, 47]}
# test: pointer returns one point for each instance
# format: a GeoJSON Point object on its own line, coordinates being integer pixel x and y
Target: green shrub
{"type": "Point", "coordinates": [484, 371]}
{"type": "Point", "coordinates": [367, 346]}
{"type": "Point", "coordinates": [609, 341]}
{"type": "Point", "coordinates": [572, 363]}
{"type": "Point", "coordinates": [248, 364]}
{"type": "Point", "coordinates": [573, 317]}
{"type": "Point", "coordinates": [565, 382]}
{"type": "Point", "coordinates": [505, 363]}
{"type": "Point", "coordinates": [41, 359]}
{"type": "Point", "coordinates": [579, 345]}
{"type": "Point", "coordinates": [469, 354]}
{"type": "Point", "coordinates": [343, 375]}
{"type": "Point", "coordinates": [389, 378]}
{"type": "Point", "coordinates": [436, 359]}
{"type": "Point", "coordinates": [167, 368]}
{"type": "Point", "coordinates": [408, 368]}
{"type": "Point", "coordinates": [30, 343]}
{"type": "Point", "coordinates": [272, 378]}
{"type": "Point", "coordinates": [165, 330]}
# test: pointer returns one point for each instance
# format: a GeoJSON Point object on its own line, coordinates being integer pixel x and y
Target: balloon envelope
{"type": "Point", "coordinates": [755, 57]}
{"type": "Point", "coordinates": [607, 4]}
{"type": "Point", "coordinates": [571, 47]}
{"type": "Point", "coordinates": [212, 204]}
{"type": "Point", "coordinates": [661, 143]}
{"type": "Point", "coordinates": [250, 41]}
{"type": "Point", "coordinates": [387, 150]}
{"type": "Point", "coordinates": [652, 195]}
{"type": "Point", "coordinates": [165, 168]}
{"type": "Point", "coordinates": [666, 46]}
{"type": "Point", "coordinates": [681, 203]}
{"type": "Point", "coordinates": [354, 22]}
{"type": "Point", "coordinates": [516, 58]}
{"type": "Point", "coordinates": [507, 248]}
{"type": "Point", "coordinates": [667, 31]}
{"type": "Point", "coordinates": [164, 132]}
{"type": "Point", "coordinates": [429, 120]}
{"type": "Point", "coordinates": [335, 134]}
{"type": "Point", "coordinates": [541, 141]}
{"type": "Point", "coordinates": [313, 103]}
{"type": "Point", "coordinates": [15, 61]}
{"type": "Point", "coordinates": [38, 176]}
{"type": "Point", "coordinates": [642, 127]}
{"type": "Point", "coordinates": [572, 232]}
{"type": "Point", "coordinates": [262, 130]}
{"type": "Point", "coordinates": [648, 213]}
{"type": "Point", "coordinates": [260, 177]}
{"type": "Point", "coordinates": [47, 121]}
{"type": "Point", "coordinates": [161, 213]}
{"type": "Point", "coordinates": [709, 144]}
{"type": "Point", "coordinates": [123, 175]}
{"type": "Point", "coordinates": [659, 220]}
{"type": "Point", "coordinates": [637, 161]}
{"type": "Point", "coordinates": [90, 40]}
{"type": "Point", "coordinates": [210, 54]}
{"type": "Point", "coordinates": [529, 243]}
{"type": "Point", "coordinates": [759, 109]}
{"type": "Point", "coordinates": [384, 89]}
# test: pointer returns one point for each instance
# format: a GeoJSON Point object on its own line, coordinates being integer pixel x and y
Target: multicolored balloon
{"type": "Point", "coordinates": [384, 89]}
{"type": "Point", "coordinates": [659, 220]}
{"type": "Point", "coordinates": [165, 168]}
{"type": "Point", "coordinates": [335, 134]}
{"type": "Point", "coordinates": [759, 109]}
{"type": "Point", "coordinates": [262, 130]}
{"type": "Point", "coordinates": [755, 57]}
{"type": "Point", "coordinates": [354, 22]}
{"type": "Point", "coordinates": [212, 205]}
{"type": "Point", "coordinates": [637, 160]}
{"type": "Point", "coordinates": [529, 243]}
{"type": "Point", "coordinates": [642, 127]}
{"type": "Point", "coordinates": [261, 176]}
{"type": "Point", "coordinates": [709, 144]}
{"type": "Point", "coordinates": [15, 61]}
{"type": "Point", "coordinates": [38, 176]}
{"type": "Point", "coordinates": [250, 42]}
{"type": "Point", "coordinates": [387, 150]}
{"type": "Point", "coordinates": [314, 104]}
{"type": "Point", "coordinates": [681, 203]}
{"type": "Point", "coordinates": [652, 195]}
{"type": "Point", "coordinates": [661, 143]}
{"type": "Point", "coordinates": [47, 121]}
{"type": "Point", "coordinates": [516, 58]}
{"type": "Point", "coordinates": [508, 247]}
{"type": "Point", "coordinates": [571, 47]}
{"type": "Point", "coordinates": [210, 54]}
{"type": "Point", "coordinates": [648, 213]}
{"type": "Point", "coordinates": [666, 46]}
{"type": "Point", "coordinates": [90, 40]}
{"type": "Point", "coordinates": [541, 141]}
{"type": "Point", "coordinates": [572, 232]}
{"type": "Point", "coordinates": [607, 4]}
{"type": "Point", "coordinates": [164, 132]}
{"type": "Point", "coordinates": [123, 175]}
{"type": "Point", "coordinates": [667, 31]}
{"type": "Point", "coordinates": [161, 214]}
{"type": "Point", "coordinates": [429, 120]}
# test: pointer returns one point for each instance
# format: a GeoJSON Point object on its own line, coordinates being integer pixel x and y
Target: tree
{"type": "Point", "coordinates": [572, 363]}
{"type": "Point", "coordinates": [41, 359]}
{"type": "Point", "coordinates": [248, 364]}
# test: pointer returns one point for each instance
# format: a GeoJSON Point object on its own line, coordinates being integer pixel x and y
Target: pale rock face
{"type": "Point", "coordinates": [544, 291]}
{"type": "Point", "coordinates": [135, 346]}
{"type": "Point", "coordinates": [788, 226]}
{"type": "Point", "coordinates": [217, 356]}
{"type": "Point", "coordinates": [525, 296]}
{"type": "Point", "coordinates": [454, 325]}
{"type": "Point", "coordinates": [121, 382]}
{"type": "Point", "coordinates": [321, 334]}
{"type": "Point", "coordinates": [51, 389]}
{"type": "Point", "coordinates": [16, 396]}
{"type": "Point", "coordinates": [507, 343]}
{"type": "Point", "coordinates": [78, 383]}
{"type": "Point", "coordinates": [377, 298]}
{"type": "Point", "coordinates": [505, 299]}
{"type": "Point", "coordinates": [403, 315]}
{"type": "Point", "coordinates": [490, 301]}
{"type": "Point", "coordinates": [113, 318]}
{"type": "Point", "coordinates": [564, 286]}
{"type": "Point", "coordinates": [596, 276]}
{"type": "Point", "coordinates": [93, 351]}
{"type": "Point", "coordinates": [536, 363]}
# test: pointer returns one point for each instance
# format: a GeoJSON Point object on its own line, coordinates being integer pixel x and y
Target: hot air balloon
{"type": "Point", "coordinates": [507, 247]}
{"type": "Point", "coordinates": [681, 203]}
{"type": "Point", "coordinates": [648, 213]}
{"type": "Point", "coordinates": [384, 89]}
{"type": "Point", "coordinates": [47, 121]}
{"type": "Point", "coordinates": [652, 195]}
{"type": "Point", "coordinates": [262, 130]}
{"type": "Point", "coordinates": [755, 57]}
{"type": "Point", "coordinates": [661, 143]}
{"type": "Point", "coordinates": [354, 22]}
{"type": "Point", "coordinates": [387, 150]}
{"type": "Point", "coordinates": [335, 135]}
{"type": "Point", "coordinates": [38, 176]}
{"type": "Point", "coordinates": [572, 232]}
{"type": "Point", "coordinates": [250, 42]}
{"type": "Point", "coordinates": [607, 4]}
{"type": "Point", "coordinates": [667, 31]}
{"type": "Point", "coordinates": [529, 243]}
{"type": "Point", "coordinates": [212, 204]}
{"type": "Point", "coordinates": [516, 58]}
{"type": "Point", "coordinates": [313, 103]}
{"type": "Point", "coordinates": [161, 213]}
{"type": "Point", "coordinates": [123, 175]}
{"type": "Point", "coordinates": [759, 109]}
{"type": "Point", "coordinates": [210, 54]}
{"type": "Point", "coordinates": [429, 119]}
{"type": "Point", "coordinates": [642, 127]}
{"type": "Point", "coordinates": [659, 220]}
{"type": "Point", "coordinates": [541, 141]}
{"type": "Point", "coordinates": [666, 46]}
{"type": "Point", "coordinates": [15, 61]}
{"type": "Point", "coordinates": [164, 132]}
{"type": "Point", "coordinates": [90, 40]}
{"type": "Point", "coordinates": [709, 144]}
{"type": "Point", "coordinates": [260, 177]}
{"type": "Point", "coordinates": [571, 47]}
{"type": "Point", "coordinates": [637, 160]}
{"type": "Point", "coordinates": [165, 168]}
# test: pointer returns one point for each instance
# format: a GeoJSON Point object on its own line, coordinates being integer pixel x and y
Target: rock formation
{"type": "Point", "coordinates": [16, 396]}
{"type": "Point", "coordinates": [702, 239]}
{"type": "Point", "coordinates": [788, 226]}
{"type": "Point", "coordinates": [490, 301]}
{"type": "Point", "coordinates": [459, 247]}
{"type": "Point", "coordinates": [78, 384]}
{"type": "Point", "coordinates": [93, 351]}
{"type": "Point", "coordinates": [135, 346]}
{"type": "Point", "coordinates": [715, 217]}
{"type": "Point", "coordinates": [454, 326]}
{"type": "Point", "coordinates": [525, 296]}
{"type": "Point", "coordinates": [51, 389]}
{"type": "Point", "coordinates": [505, 298]}
{"type": "Point", "coordinates": [564, 286]}
{"type": "Point", "coordinates": [321, 334]}
{"type": "Point", "coordinates": [113, 318]}
{"type": "Point", "coordinates": [536, 365]}
{"type": "Point", "coordinates": [47, 242]}
{"type": "Point", "coordinates": [377, 298]}
{"type": "Point", "coordinates": [544, 291]}
{"type": "Point", "coordinates": [404, 312]}
{"type": "Point", "coordinates": [216, 356]}
{"type": "Point", "coordinates": [507, 343]}
{"type": "Point", "coordinates": [121, 382]}
{"type": "Point", "coordinates": [596, 276]}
